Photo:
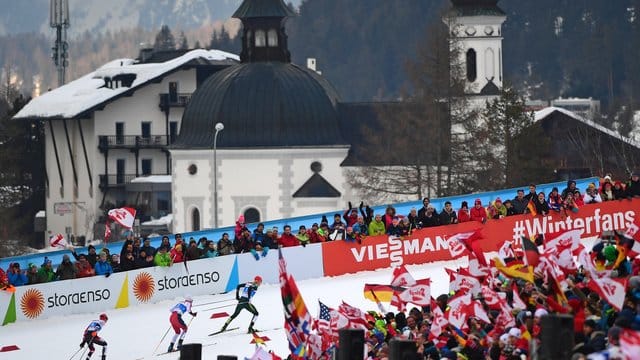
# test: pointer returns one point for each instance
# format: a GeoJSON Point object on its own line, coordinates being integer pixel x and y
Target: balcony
{"type": "Point", "coordinates": [118, 180]}
{"type": "Point", "coordinates": [134, 142]}
{"type": "Point", "coordinates": [174, 100]}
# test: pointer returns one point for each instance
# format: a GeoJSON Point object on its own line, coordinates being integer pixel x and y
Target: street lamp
{"type": "Point", "coordinates": [219, 127]}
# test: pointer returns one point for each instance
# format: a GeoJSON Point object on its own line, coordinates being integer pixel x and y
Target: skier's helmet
{"type": "Point", "coordinates": [257, 279]}
{"type": "Point", "coordinates": [104, 317]}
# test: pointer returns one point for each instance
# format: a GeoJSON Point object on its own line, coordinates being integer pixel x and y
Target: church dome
{"type": "Point", "coordinates": [262, 104]}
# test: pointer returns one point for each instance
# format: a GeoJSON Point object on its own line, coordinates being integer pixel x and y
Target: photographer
{"type": "Point", "coordinates": [17, 277]}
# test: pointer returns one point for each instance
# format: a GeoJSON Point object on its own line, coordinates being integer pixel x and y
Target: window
{"type": "Point", "coordinates": [146, 130]}
{"type": "Point", "coordinates": [489, 64]}
{"type": "Point", "coordinates": [195, 219]}
{"type": "Point", "coordinates": [272, 38]}
{"type": "Point", "coordinates": [120, 171]}
{"type": "Point", "coordinates": [164, 202]}
{"type": "Point", "coordinates": [260, 38]}
{"type": "Point", "coordinates": [173, 131]}
{"type": "Point", "coordinates": [249, 38]}
{"type": "Point", "coordinates": [146, 167]}
{"type": "Point", "coordinates": [251, 215]}
{"type": "Point", "coordinates": [471, 65]}
{"type": "Point", "coordinates": [120, 133]}
{"type": "Point", "coordinates": [173, 92]}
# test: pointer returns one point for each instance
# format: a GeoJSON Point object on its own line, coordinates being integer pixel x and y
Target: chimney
{"type": "Point", "coordinates": [145, 53]}
{"type": "Point", "coordinates": [311, 65]}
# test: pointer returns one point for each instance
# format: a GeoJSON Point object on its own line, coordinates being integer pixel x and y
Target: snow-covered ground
{"type": "Point", "coordinates": [134, 332]}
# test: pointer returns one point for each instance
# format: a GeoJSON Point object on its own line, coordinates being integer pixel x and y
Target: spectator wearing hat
{"type": "Point", "coordinates": [193, 252]}
{"type": "Point", "coordinates": [91, 257]}
{"type": "Point", "coordinates": [377, 226]}
{"type": "Point", "coordinates": [632, 189]}
{"type": "Point", "coordinates": [244, 243]}
{"type": "Point", "coordinates": [350, 215]}
{"type": "Point", "coordinates": [66, 270]}
{"type": "Point", "coordinates": [555, 200]}
{"type": "Point", "coordinates": [448, 215]}
{"type": "Point", "coordinates": [591, 195]}
{"type": "Point", "coordinates": [361, 227]}
{"type": "Point", "coordinates": [519, 202]}
{"type": "Point", "coordinates": [430, 218]}
{"type": "Point", "coordinates": [148, 249]}
{"type": "Point", "coordinates": [497, 210]}
{"type": "Point", "coordinates": [478, 212]}
{"type": "Point", "coordinates": [578, 198]}
{"type": "Point", "coordinates": [323, 232]}
{"type": "Point", "coordinates": [302, 235]}
{"type": "Point", "coordinates": [394, 229]}
{"type": "Point", "coordinates": [210, 250]}
{"type": "Point", "coordinates": [508, 205]}
{"type": "Point", "coordinates": [32, 274]}
{"type": "Point", "coordinates": [225, 247]}
{"type": "Point", "coordinates": [162, 257]}
{"type": "Point", "coordinates": [165, 243]}
{"type": "Point", "coordinates": [46, 273]}
{"type": "Point", "coordinates": [16, 276]}
{"type": "Point", "coordinates": [607, 192]}
{"type": "Point", "coordinates": [618, 190]}
{"type": "Point", "coordinates": [314, 238]}
{"type": "Point", "coordinates": [337, 223]}
{"type": "Point", "coordinates": [287, 239]}
{"type": "Point", "coordinates": [239, 226]}
{"type": "Point", "coordinates": [463, 213]}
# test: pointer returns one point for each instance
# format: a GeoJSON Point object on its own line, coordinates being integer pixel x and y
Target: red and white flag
{"type": "Point", "coordinates": [123, 216]}
{"type": "Point", "coordinates": [438, 322]}
{"type": "Point", "coordinates": [476, 268]}
{"type": "Point", "coordinates": [107, 231]}
{"type": "Point", "coordinates": [518, 303]}
{"type": "Point", "coordinates": [402, 277]}
{"type": "Point", "coordinates": [458, 310]}
{"type": "Point", "coordinates": [355, 316]}
{"type": "Point", "coordinates": [570, 239]}
{"type": "Point", "coordinates": [57, 240]}
{"type": "Point", "coordinates": [612, 290]}
{"type": "Point", "coordinates": [630, 343]}
{"type": "Point", "coordinates": [462, 281]}
{"type": "Point", "coordinates": [478, 311]}
{"type": "Point", "coordinates": [419, 293]}
{"type": "Point", "coordinates": [466, 243]}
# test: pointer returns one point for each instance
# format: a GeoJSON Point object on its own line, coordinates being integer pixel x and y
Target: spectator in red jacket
{"type": "Point", "coordinates": [287, 239]}
{"type": "Point", "coordinates": [83, 267]}
{"type": "Point", "coordinates": [478, 212]}
{"type": "Point", "coordinates": [314, 237]}
{"type": "Point", "coordinates": [176, 254]}
{"type": "Point", "coordinates": [463, 213]}
{"type": "Point", "coordinates": [350, 215]}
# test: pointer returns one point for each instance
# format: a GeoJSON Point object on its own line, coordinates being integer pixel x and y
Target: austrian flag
{"type": "Point", "coordinates": [123, 216]}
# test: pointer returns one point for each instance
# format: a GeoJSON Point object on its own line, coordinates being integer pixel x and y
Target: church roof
{"type": "Point", "coordinates": [263, 104]}
{"type": "Point", "coordinates": [262, 8]}
{"type": "Point", "coordinates": [490, 89]}
{"type": "Point", "coordinates": [476, 8]}
{"type": "Point", "coordinates": [316, 187]}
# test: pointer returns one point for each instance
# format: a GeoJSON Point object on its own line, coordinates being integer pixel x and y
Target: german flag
{"type": "Point", "coordinates": [531, 254]}
{"type": "Point", "coordinates": [515, 269]}
{"type": "Point", "coordinates": [382, 292]}
{"type": "Point", "coordinates": [532, 207]}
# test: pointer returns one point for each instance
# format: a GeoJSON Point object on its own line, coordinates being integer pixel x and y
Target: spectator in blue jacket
{"type": "Point", "coordinates": [102, 266]}
{"type": "Point", "coordinates": [17, 277]}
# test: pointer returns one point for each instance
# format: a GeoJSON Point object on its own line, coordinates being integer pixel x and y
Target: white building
{"type": "Point", "coordinates": [111, 126]}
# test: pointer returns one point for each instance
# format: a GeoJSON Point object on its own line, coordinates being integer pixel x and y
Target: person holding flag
{"type": "Point", "coordinates": [179, 327]}
{"type": "Point", "coordinates": [244, 294]}
{"type": "Point", "coordinates": [90, 336]}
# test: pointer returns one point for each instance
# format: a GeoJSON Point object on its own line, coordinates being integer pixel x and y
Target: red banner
{"type": "Point", "coordinates": [427, 245]}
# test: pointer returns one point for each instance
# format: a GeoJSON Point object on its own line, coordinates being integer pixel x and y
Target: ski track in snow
{"type": "Point", "coordinates": [134, 332]}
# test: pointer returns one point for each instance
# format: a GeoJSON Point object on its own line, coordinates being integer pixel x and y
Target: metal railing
{"type": "Point", "coordinates": [177, 100]}
{"type": "Point", "coordinates": [133, 141]}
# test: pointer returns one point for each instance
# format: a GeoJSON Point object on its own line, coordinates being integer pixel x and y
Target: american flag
{"type": "Point", "coordinates": [324, 318]}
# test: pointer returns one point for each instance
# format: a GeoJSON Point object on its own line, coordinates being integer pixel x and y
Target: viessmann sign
{"type": "Point", "coordinates": [428, 245]}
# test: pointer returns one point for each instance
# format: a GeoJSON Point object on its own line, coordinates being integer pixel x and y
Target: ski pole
{"type": "Point", "coordinates": [76, 353]}
{"type": "Point", "coordinates": [161, 340]}
{"type": "Point", "coordinates": [214, 302]}
{"type": "Point", "coordinates": [219, 307]}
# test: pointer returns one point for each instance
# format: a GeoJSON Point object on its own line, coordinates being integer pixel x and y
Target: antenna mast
{"type": "Point", "coordinates": [59, 19]}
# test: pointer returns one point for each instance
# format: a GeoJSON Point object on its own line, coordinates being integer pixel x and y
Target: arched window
{"type": "Point", "coordinates": [272, 38]}
{"type": "Point", "coordinates": [195, 219]}
{"type": "Point", "coordinates": [251, 215]}
{"type": "Point", "coordinates": [261, 40]}
{"type": "Point", "coordinates": [471, 65]}
{"type": "Point", "coordinates": [489, 64]}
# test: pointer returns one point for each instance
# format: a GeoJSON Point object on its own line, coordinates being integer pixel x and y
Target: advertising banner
{"type": "Point", "coordinates": [430, 244]}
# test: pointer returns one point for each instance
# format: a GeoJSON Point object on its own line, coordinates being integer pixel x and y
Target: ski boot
{"type": "Point", "coordinates": [179, 345]}
{"type": "Point", "coordinates": [170, 349]}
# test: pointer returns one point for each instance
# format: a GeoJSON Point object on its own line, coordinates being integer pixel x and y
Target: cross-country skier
{"type": "Point", "coordinates": [244, 293]}
{"type": "Point", "coordinates": [90, 336]}
{"type": "Point", "coordinates": [177, 323]}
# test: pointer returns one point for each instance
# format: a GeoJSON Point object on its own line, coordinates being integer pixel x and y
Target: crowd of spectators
{"type": "Point", "coordinates": [353, 225]}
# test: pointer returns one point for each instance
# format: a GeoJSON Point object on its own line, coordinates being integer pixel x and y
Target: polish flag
{"type": "Point", "coordinates": [123, 216]}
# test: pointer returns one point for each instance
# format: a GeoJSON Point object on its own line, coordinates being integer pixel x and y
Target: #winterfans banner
{"type": "Point", "coordinates": [123, 216]}
{"type": "Point", "coordinates": [432, 244]}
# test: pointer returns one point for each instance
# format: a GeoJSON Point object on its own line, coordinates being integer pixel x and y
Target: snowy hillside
{"type": "Point", "coordinates": [134, 332]}
{"type": "Point", "coordinates": [100, 16]}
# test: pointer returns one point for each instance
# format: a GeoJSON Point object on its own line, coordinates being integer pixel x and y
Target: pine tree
{"type": "Point", "coordinates": [164, 39]}
{"type": "Point", "coordinates": [184, 43]}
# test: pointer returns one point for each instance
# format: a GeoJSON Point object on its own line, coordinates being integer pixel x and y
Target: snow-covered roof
{"type": "Point", "coordinates": [156, 179]}
{"type": "Point", "coordinates": [89, 92]}
{"type": "Point", "coordinates": [165, 220]}
{"type": "Point", "coordinates": [541, 114]}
